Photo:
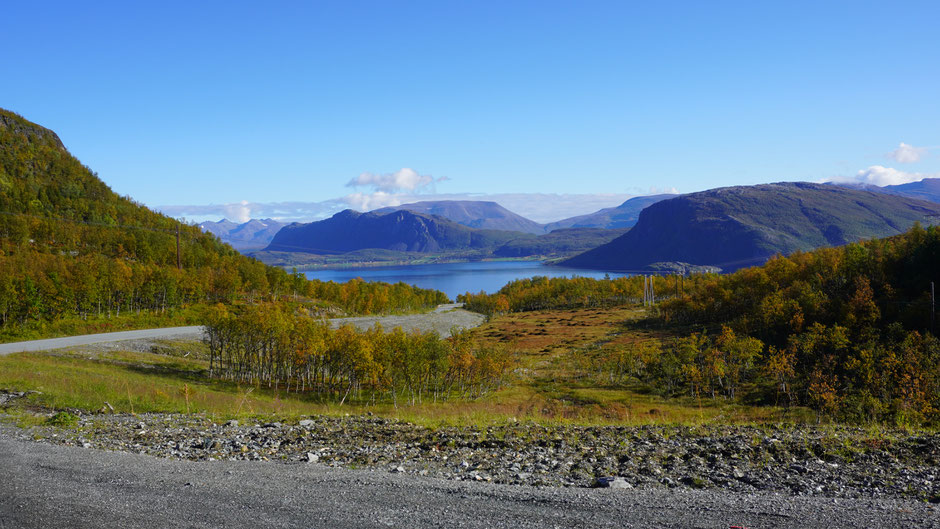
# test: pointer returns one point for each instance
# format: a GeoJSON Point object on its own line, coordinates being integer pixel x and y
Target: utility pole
{"type": "Point", "coordinates": [933, 310]}
{"type": "Point", "coordinates": [179, 261]}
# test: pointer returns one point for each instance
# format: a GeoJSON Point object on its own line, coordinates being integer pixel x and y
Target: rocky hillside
{"type": "Point", "coordinates": [740, 226]}
{"type": "Point", "coordinates": [403, 231]}
{"type": "Point", "coordinates": [473, 213]}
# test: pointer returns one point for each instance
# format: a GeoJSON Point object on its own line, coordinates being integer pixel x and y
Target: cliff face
{"type": "Point", "coordinates": [741, 226]}
{"type": "Point", "coordinates": [35, 133]}
{"type": "Point", "coordinates": [396, 230]}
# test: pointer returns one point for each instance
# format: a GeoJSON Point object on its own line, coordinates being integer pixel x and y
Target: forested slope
{"type": "Point", "coordinates": [71, 247]}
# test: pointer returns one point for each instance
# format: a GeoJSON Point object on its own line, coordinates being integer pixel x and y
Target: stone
{"type": "Point", "coordinates": [312, 458]}
{"type": "Point", "coordinates": [306, 423]}
{"type": "Point", "coordinates": [232, 423]}
{"type": "Point", "coordinates": [612, 482]}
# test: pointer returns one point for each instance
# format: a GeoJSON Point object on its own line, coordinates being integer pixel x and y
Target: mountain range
{"type": "Point", "coordinates": [252, 235]}
{"type": "Point", "coordinates": [402, 231]}
{"type": "Point", "coordinates": [734, 227]}
{"type": "Point", "coordinates": [473, 213]}
{"type": "Point", "coordinates": [623, 216]}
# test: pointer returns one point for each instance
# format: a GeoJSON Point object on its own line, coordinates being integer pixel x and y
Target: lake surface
{"type": "Point", "coordinates": [457, 278]}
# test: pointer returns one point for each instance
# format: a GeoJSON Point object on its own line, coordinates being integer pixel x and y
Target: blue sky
{"type": "Point", "coordinates": [288, 102]}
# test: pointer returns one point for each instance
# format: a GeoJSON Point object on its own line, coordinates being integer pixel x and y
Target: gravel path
{"type": "Point", "coordinates": [167, 333]}
{"type": "Point", "coordinates": [441, 321]}
{"type": "Point", "coordinates": [59, 486]}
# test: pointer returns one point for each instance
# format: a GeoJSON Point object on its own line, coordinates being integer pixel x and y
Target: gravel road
{"type": "Point", "coordinates": [59, 486]}
{"type": "Point", "coordinates": [89, 339]}
{"type": "Point", "coordinates": [441, 321]}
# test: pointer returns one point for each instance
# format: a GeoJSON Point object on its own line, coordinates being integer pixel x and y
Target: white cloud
{"type": "Point", "coordinates": [240, 212]}
{"type": "Point", "coordinates": [883, 176]}
{"type": "Point", "coordinates": [405, 179]}
{"type": "Point", "coordinates": [540, 207]}
{"type": "Point", "coordinates": [370, 201]}
{"type": "Point", "coordinates": [907, 153]}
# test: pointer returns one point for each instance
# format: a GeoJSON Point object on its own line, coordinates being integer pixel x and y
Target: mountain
{"type": "Point", "coordinates": [252, 235]}
{"type": "Point", "coordinates": [734, 227]}
{"type": "Point", "coordinates": [623, 216]}
{"type": "Point", "coordinates": [473, 213]}
{"type": "Point", "coordinates": [403, 230]}
{"type": "Point", "coordinates": [927, 189]}
{"type": "Point", "coordinates": [567, 241]}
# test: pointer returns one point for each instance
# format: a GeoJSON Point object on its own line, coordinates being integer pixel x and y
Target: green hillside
{"type": "Point", "coordinates": [72, 248]}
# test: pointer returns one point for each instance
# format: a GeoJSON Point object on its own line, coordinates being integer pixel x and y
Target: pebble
{"type": "Point", "coordinates": [794, 460]}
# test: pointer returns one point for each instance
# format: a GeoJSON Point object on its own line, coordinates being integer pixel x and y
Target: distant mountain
{"type": "Point", "coordinates": [734, 227]}
{"type": "Point", "coordinates": [404, 231]}
{"type": "Point", "coordinates": [252, 235]}
{"type": "Point", "coordinates": [473, 213]}
{"type": "Point", "coordinates": [623, 216]}
{"type": "Point", "coordinates": [567, 241]}
{"type": "Point", "coordinates": [927, 189]}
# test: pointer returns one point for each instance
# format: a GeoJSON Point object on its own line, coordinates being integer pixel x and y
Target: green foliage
{"type": "Point", "coordinates": [542, 293]}
{"type": "Point", "coordinates": [63, 419]}
{"type": "Point", "coordinates": [848, 328]}
{"type": "Point", "coordinates": [267, 345]}
{"type": "Point", "coordinates": [71, 247]}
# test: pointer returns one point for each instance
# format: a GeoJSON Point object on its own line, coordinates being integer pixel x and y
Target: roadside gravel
{"type": "Point", "coordinates": [837, 462]}
{"type": "Point", "coordinates": [47, 485]}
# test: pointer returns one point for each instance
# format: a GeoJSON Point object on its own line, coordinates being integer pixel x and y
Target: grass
{"type": "Point", "coordinates": [548, 387]}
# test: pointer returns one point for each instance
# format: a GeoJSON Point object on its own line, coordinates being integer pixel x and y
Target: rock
{"type": "Point", "coordinates": [306, 423]}
{"type": "Point", "coordinates": [612, 482]}
{"type": "Point", "coordinates": [232, 424]}
{"type": "Point", "coordinates": [311, 457]}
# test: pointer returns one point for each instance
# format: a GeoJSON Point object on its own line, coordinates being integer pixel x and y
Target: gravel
{"type": "Point", "coordinates": [51, 485]}
{"type": "Point", "coordinates": [834, 462]}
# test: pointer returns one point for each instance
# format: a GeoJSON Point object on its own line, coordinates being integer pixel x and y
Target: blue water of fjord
{"type": "Point", "coordinates": [457, 278]}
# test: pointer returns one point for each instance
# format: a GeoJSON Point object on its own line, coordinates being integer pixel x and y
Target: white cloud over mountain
{"type": "Point", "coordinates": [405, 179]}
{"type": "Point", "coordinates": [882, 176]}
{"type": "Point", "coordinates": [540, 207]}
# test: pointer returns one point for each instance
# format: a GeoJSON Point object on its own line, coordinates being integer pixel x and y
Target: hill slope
{"type": "Point", "coordinates": [252, 235]}
{"type": "Point", "coordinates": [473, 213]}
{"type": "Point", "coordinates": [72, 248]}
{"type": "Point", "coordinates": [403, 231]}
{"type": "Point", "coordinates": [623, 216]}
{"type": "Point", "coordinates": [741, 226]}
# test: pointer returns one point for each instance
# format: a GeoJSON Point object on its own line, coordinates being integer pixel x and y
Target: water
{"type": "Point", "coordinates": [457, 278]}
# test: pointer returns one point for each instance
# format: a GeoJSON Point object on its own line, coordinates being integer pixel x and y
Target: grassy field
{"type": "Point", "coordinates": [548, 386]}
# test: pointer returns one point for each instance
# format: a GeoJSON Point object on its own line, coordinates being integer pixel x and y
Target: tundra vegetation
{"type": "Point", "coordinates": [845, 331]}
